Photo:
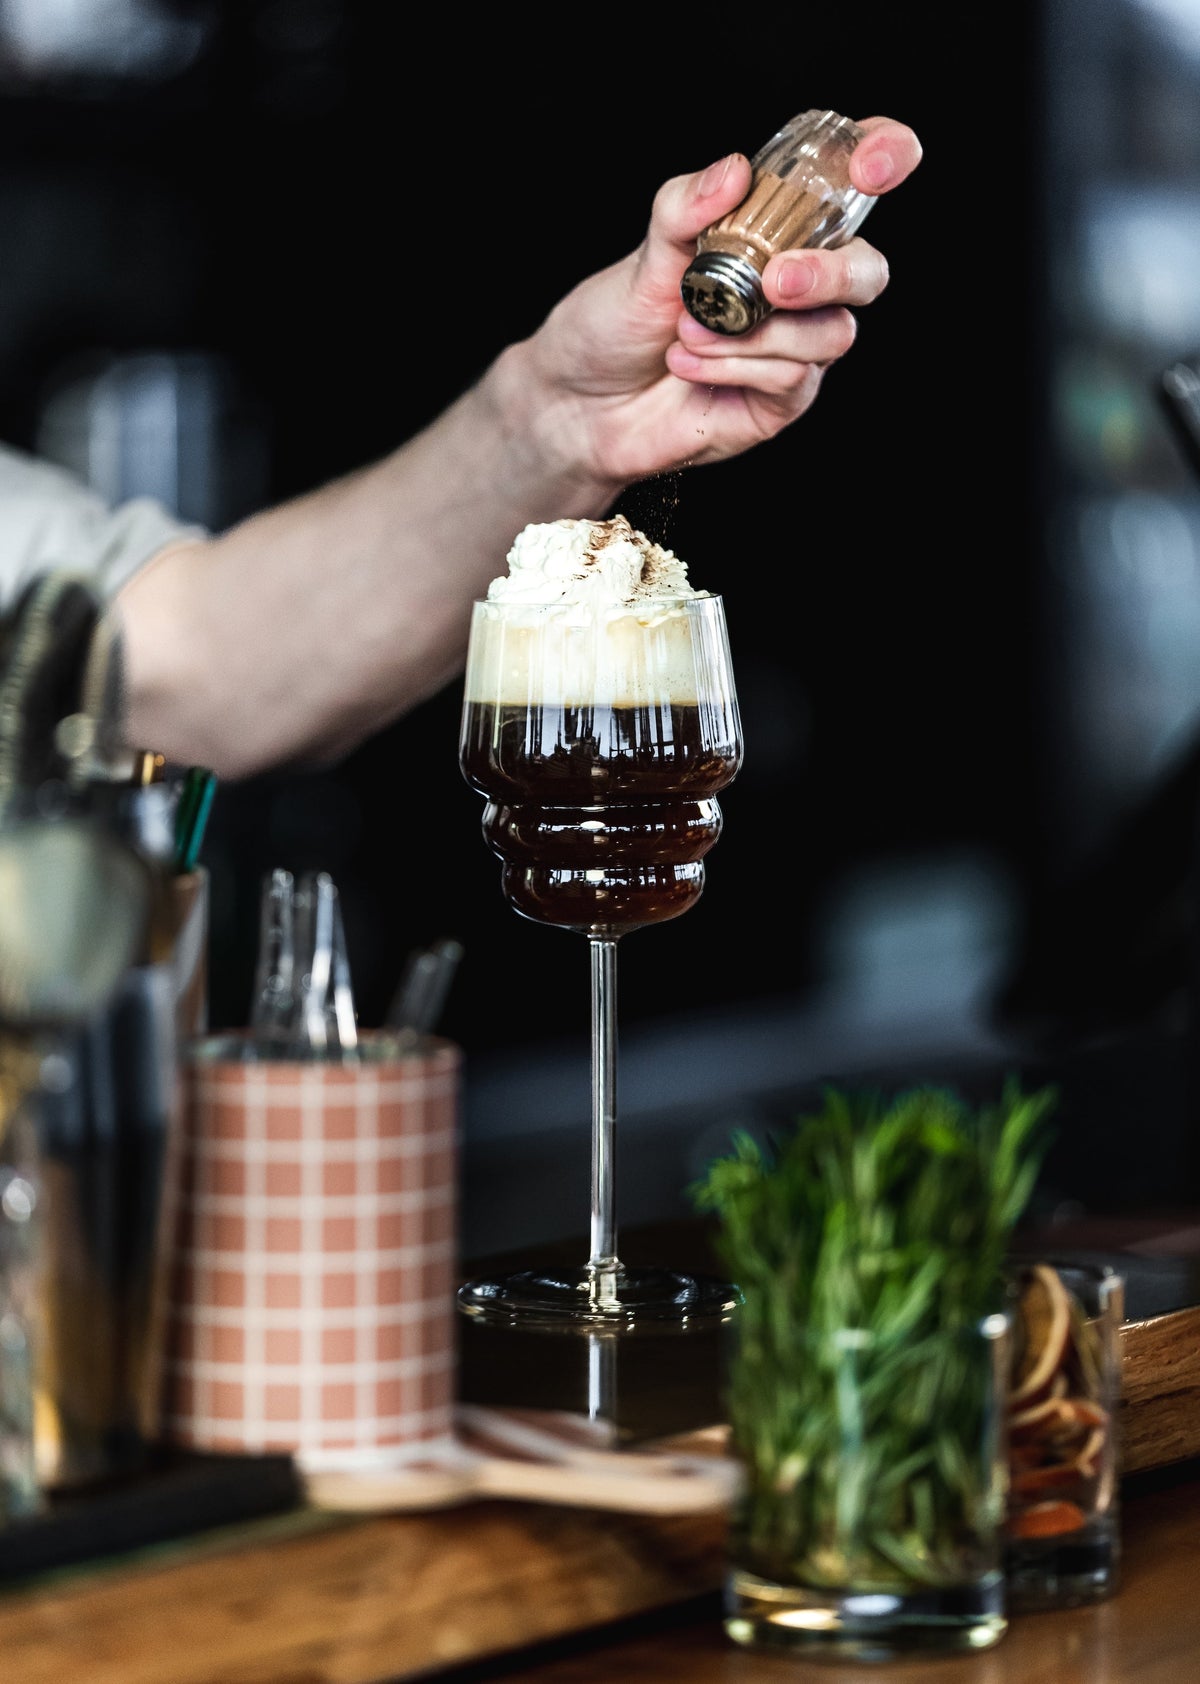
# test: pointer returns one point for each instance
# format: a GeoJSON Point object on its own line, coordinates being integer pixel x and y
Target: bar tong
{"type": "Point", "coordinates": [303, 1003]}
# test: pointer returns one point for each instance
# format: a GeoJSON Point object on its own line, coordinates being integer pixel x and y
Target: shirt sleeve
{"type": "Point", "coordinates": [51, 519]}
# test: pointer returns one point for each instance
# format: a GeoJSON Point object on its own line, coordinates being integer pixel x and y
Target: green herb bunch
{"type": "Point", "coordinates": [869, 1247]}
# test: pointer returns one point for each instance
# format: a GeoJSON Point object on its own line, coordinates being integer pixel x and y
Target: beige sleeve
{"type": "Point", "coordinates": [50, 519]}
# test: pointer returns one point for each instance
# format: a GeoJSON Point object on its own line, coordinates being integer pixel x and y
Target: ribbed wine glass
{"type": "Point", "coordinates": [600, 742]}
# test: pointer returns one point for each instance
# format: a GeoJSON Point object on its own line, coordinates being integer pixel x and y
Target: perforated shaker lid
{"type": "Point", "coordinates": [724, 293]}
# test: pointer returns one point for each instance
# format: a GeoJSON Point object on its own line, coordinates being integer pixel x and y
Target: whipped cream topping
{"type": "Point", "coordinates": [590, 612]}
{"type": "Point", "coordinates": [592, 563]}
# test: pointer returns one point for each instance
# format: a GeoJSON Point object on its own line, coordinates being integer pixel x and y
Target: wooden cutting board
{"type": "Point", "coordinates": [560, 1457]}
{"type": "Point", "coordinates": [1160, 1380]}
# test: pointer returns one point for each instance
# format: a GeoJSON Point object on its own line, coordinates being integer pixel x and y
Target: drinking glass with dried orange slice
{"type": "Point", "coordinates": [1063, 1527]}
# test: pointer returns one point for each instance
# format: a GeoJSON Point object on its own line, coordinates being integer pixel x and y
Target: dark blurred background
{"type": "Point", "coordinates": [250, 244]}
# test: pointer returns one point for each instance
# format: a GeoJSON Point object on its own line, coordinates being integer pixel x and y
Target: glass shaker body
{"type": "Point", "coordinates": [800, 195]}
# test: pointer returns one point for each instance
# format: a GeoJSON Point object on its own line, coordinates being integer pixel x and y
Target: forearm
{"type": "Point", "coordinates": [313, 624]}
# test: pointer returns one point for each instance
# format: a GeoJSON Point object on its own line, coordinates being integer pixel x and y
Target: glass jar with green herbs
{"type": "Point", "coordinates": [869, 1368]}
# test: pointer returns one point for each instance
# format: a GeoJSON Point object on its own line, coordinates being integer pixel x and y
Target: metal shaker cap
{"type": "Point", "coordinates": [724, 293]}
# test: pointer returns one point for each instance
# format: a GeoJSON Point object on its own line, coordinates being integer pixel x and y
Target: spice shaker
{"type": "Point", "coordinates": [800, 195]}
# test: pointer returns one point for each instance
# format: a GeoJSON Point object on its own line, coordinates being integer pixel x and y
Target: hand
{"type": "Point", "coordinates": [643, 388]}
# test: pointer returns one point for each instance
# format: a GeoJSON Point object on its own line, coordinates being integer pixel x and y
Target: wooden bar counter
{"type": "Point", "coordinates": [558, 1594]}
{"type": "Point", "coordinates": [478, 1592]}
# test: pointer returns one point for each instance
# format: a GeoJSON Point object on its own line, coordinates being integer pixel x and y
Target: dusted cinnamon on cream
{"type": "Point", "coordinates": [604, 563]}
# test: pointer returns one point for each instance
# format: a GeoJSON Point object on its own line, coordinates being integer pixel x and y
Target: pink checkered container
{"type": "Point", "coordinates": [313, 1307]}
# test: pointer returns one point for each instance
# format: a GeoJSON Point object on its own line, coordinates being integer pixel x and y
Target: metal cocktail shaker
{"type": "Point", "coordinates": [109, 1161]}
{"type": "Point", "coordinates": [90, 1092]}
{"type": "Point", "coordinates": [105, 1142]}
{"type": "Point", "coordinates": [800, 195]}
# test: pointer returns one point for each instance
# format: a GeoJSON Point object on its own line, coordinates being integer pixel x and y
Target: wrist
{"type": "Point", "coordinates": [546, 432]}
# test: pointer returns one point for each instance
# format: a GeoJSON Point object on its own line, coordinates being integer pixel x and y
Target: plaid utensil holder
{"type": "Point", "coordinates": [313, 1306]}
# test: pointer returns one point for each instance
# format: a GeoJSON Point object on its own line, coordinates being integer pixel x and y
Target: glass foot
{"type": "Point", "coordinates": [587, 1299]}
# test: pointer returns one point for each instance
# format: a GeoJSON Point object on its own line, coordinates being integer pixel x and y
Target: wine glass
{"type": "Point", "coordinates": [600, 741]}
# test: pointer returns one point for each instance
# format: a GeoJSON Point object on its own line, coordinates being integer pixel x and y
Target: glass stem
{"type": "Point", "coordinates": [603, 1264]}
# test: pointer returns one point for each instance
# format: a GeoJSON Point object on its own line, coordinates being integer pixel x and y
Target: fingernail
{"type": "Point", "coordinates": [713, 176]}
{"type": "Point", "coordinates": [796, 277]}
{"type": "Point", "coordinates": [877, 169]}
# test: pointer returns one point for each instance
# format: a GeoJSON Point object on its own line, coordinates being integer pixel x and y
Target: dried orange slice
{"type": "Point", "coordinates": [1044, 1477]}
{"type": "Point", "coordinates": [1043, 1334]}
{"type": "Point", "coordinates": [1046, 1520]}
{"type": "Point", "coordinates": [1085, 1412]}
{"type": "Point", "coordinates": [1063, 1429]}
{"type": "Point", "coordinates": [1038, 1421]}
{"type": "Point", "coordinates": [1088, 1460]}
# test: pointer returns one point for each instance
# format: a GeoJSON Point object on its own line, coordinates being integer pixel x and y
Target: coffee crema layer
{"type": "Point", "coordinates": [562, 656]}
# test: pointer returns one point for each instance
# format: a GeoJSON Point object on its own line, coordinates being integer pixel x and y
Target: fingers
{"type": "Point", "coordinates": [778, 357]}
{"type": "Point", "coordinates": [688, 203]}
{"type": "Point", "coordinates": [683, 207]}
{"type": "Point", "coordinates": [851, 275]}
{"type": "Point", "coordinates": [886, 157]}
{"type": "Point", "coordinates": [771, 392]}
{"type": "Point", "coordinates": [812, 325]}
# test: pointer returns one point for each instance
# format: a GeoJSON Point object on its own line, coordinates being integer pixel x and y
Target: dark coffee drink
{"type": "Point", "coordinates": [602, 816]}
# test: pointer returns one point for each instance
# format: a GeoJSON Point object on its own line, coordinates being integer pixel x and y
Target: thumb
{"type": "Point", "coordinates": [682, 208]}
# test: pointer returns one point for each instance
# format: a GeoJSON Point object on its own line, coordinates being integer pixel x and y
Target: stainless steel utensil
{"type": "Point", "coordinates": [424, 984]}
